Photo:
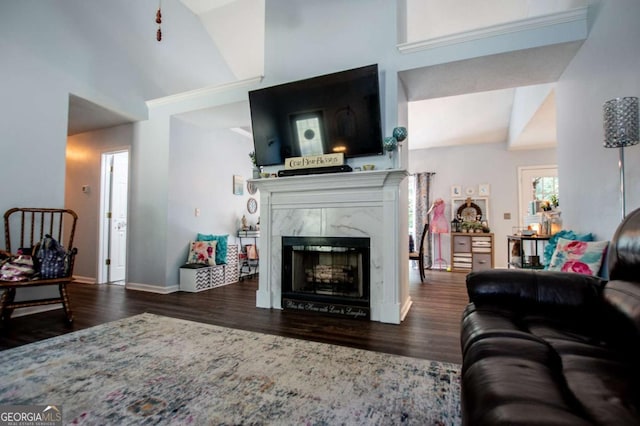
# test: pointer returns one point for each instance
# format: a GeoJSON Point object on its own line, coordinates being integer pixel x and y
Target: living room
{"type": "Point", "coordinates": [162, 212]}
{"type": "Point", "coordinates": [47, 59]}
{"type": "Point", "coordinates": [419, 161]}
{"type": "Point", "coordinates": [155, 221]}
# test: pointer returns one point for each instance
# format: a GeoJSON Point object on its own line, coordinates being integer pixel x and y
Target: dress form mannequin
{"type": "Point", "coordinates": [439, 225]}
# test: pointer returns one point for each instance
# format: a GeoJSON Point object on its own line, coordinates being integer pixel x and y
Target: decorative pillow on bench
{"type": "Point", "coordinates": [221, 247]}
{"type": "Point", "coordinates": [203, 252]}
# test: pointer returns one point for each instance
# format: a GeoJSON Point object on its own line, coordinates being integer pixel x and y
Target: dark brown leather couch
{"type": "Point", "coordinates": [553, 348]}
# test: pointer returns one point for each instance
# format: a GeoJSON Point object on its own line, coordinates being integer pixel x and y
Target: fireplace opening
{"type": "Point", "coordinates": [326, 274]}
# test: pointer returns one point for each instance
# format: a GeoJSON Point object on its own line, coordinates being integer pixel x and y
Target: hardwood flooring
{"type": "Point", "coordinates": [431, 330]}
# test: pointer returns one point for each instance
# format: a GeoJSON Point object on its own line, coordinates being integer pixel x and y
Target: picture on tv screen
{"type": "Point", "coordinates": [333, 113]}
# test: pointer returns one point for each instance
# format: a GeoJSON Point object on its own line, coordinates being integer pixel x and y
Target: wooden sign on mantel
{"type": "Point", "coordinates": [310, 161]}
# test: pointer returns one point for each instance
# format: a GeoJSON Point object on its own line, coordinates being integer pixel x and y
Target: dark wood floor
{"type": "Point", "coordinates": [431, 329]}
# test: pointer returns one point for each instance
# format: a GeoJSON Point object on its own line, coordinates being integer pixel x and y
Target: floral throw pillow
{"type": "Point", "coordinates": [202, 252]}
{"type": "Point", "coordinates": [582, 257]}
{"type": "Point", "coordinates": [221, 248]}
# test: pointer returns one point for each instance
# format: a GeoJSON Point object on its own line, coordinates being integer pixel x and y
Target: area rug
{"type": "Point", "coordinates": [150, 369]}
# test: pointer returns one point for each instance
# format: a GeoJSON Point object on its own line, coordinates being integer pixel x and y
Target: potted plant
{"type": "Point", "coordinates": [477, 227]}
{"type": "Point", "coordinates": [466, 226]}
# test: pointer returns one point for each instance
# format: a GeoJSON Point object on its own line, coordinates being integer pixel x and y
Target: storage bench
{"type": "Point", "coordinates": [204, 277]}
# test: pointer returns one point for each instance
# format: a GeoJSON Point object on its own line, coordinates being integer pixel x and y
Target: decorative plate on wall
{"type": "Point", "coordinates": [251, 188]}
{"type": "Point", "coordinates": [252, 205]}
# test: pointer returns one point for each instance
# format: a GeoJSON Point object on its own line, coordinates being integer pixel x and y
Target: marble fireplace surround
{"type": "Point", "coordinates": [354, 204]}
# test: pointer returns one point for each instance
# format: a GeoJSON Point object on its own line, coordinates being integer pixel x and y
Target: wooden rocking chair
{"type": "Point", "coordinates": [32, 224]}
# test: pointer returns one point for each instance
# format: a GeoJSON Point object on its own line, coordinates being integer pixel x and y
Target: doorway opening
{"type": "Point", "coordinates": [536, 185]}
{"type": "Point", "coordinates": [114, 185]}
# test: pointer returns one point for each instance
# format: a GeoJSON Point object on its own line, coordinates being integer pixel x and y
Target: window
{"type": "Point", "coordinates": [412, 205]}
{"type": "Point", "coordinates": [545, 188]}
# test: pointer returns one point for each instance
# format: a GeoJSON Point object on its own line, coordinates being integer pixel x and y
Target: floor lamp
{"type": "Point", "coordinates": [620, 130]}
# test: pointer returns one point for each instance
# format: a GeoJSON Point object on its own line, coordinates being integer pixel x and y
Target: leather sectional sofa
{"type": "Point", "coordinates": [555, 348]}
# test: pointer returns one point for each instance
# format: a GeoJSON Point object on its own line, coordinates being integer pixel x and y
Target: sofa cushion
{"type": "Point", "coordinates": [624, 298]}
{"type": "Point", "coordinates": [522, 289]}
{"type": "Point", "coordinates": [582, 257]}
{"type": "Point", "coordinates": [492, 384]}
{"type": "Point", "coordinates": [510, 346]}
{"type": "Point", "coordinates": [529, 413]}
{"type": "Point", "coordinates": [608, 390]}
{"type": "Point", "coordinates": [484, 322]}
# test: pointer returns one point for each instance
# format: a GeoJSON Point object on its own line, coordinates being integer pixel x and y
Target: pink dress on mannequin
{"type": "Point", "coordinates": [439, 224]}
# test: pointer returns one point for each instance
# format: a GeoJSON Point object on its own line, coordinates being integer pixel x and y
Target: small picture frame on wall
{"type": "Point", "coordinates": [484, 190]}
{"type": "Point", "coordinates": [238, 185]}
{"type": "Point", "coordinates": [456, 191]}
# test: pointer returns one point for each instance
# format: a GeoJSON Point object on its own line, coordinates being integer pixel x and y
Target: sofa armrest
{"type": "Point", "coordinates": [529, 287]}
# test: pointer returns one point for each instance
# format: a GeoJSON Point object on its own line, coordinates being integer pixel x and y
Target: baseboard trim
{"type": "Point", "coordinates": [21, 312]}
{"type": "Point", "coordinates": [405, 309]}
{"type": "Point", "coordinates": [152, 288]}
{"type": "Point", "coordinates": [83, 280]}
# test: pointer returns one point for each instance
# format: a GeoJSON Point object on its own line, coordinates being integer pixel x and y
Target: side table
{"type": "Point", "coordinates": [530, 256]}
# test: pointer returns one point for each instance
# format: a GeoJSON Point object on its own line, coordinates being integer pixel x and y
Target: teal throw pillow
{"type": "Point", "coordinates": [221, 246]}
{"type": "Point", "coordinates": [550, 248]}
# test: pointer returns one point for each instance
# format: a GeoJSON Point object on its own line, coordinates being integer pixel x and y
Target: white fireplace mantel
{"type": "Point", "coordinates": [353, 204]}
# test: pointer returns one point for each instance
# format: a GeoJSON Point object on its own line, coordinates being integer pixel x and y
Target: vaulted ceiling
{"type": "Point", "coordinates": [458, 103]}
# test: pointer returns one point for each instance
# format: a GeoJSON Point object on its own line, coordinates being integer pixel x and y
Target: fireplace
{"type": "Point", "coordinates": [357, 204]}
{"type": "Point", "coordinates": [326, 274]}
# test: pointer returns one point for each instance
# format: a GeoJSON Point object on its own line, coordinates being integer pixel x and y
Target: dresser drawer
{"type": "Point", "coordinates": [481, 261]}
{"type": "Point", "coordinates": [461, 244]}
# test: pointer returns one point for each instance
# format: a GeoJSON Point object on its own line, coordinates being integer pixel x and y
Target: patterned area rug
{"type": "Point", "coordinates": [157, 370]}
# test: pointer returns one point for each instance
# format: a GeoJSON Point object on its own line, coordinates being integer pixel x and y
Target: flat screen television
{"type": "Point", "coordinates": [337, 112]}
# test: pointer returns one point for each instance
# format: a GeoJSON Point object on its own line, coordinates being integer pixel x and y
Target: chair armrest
{"type": "Point", "coordinates": [531, 287]}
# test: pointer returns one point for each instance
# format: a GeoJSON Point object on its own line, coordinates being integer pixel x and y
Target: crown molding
{"type": "Point", "coordinates": [204, 91]}
{"type": "Point", "coordinates": [573, 15]}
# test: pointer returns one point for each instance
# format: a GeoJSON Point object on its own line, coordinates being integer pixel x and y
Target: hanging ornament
{"type": "Point", "coordinates": [159, 21]}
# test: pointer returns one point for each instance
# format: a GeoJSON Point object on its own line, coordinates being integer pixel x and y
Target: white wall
{"type": "Point", "coordinates": [526, 102]}
{"type": "Point", "coordinates": [471, 165]}
{"type": "Point", "coordinates": [50, 51]}
{"type": "Point", "coordinates": [605, 67]}
{"type": "Point", "coordinates": [202, 165]}
{"type": "Point", "coordinates": [84, 164]}
{"type": "Point", "coordinates": [54, 48]}
{"type": "Point", "coordinates": [302, 39]}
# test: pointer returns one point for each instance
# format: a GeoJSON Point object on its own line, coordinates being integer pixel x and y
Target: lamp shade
{"type": "Point", "coordinates": [621, 122]}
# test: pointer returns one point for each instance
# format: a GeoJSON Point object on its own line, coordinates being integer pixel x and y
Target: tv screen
{"type": "Point", "coordinates": [338, 112]}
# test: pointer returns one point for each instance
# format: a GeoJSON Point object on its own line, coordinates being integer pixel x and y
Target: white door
{"type": "Point", "coordinates": [536, 183]}
{"type": "Point", "coordinates": [118, 243]}
{"type": "Point", "coordinates": [113, 234]}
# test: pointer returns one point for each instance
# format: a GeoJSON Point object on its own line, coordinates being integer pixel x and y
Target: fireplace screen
{"type": "Point", "coordinates": [325, 272]}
